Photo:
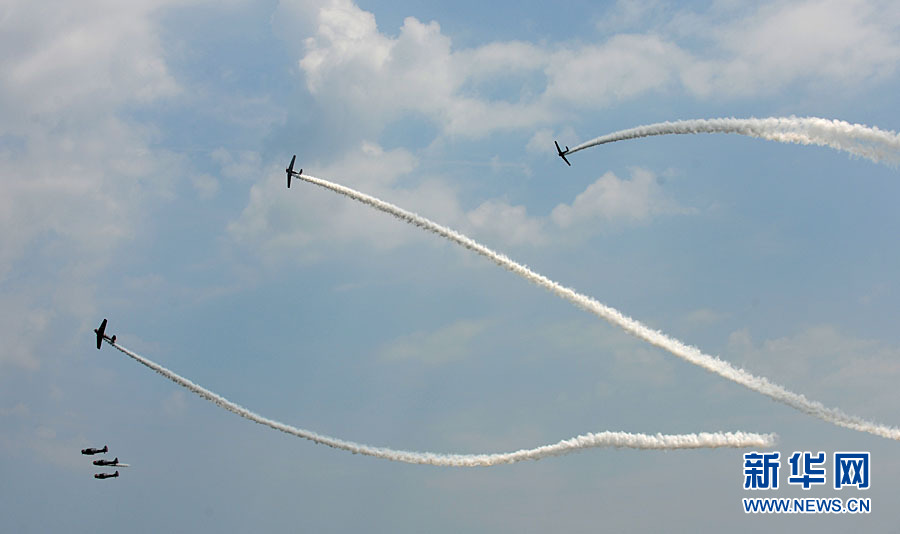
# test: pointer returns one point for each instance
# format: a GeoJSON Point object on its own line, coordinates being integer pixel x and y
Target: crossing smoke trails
{"type": "Point", "coordinates": [632, 326]}
{"type": "Point", "coordinates": [868, 142]}
{"type": "Point", "coordinates": [703, 440]}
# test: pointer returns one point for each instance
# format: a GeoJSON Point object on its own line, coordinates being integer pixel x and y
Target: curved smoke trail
{"type": "Point", "coordinates": [632, 326]}
{"type": "Point", "coordinates": [704, 440]}
{"type": "Point", "coordinates": [872, 143]}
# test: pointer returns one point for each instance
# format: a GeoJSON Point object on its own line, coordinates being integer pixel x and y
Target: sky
{"type": "Point", "coordinates": [142, 155]}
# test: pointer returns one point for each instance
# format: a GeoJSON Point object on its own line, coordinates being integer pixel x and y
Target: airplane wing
{"type": "Point", "coordinates": [290, 170]}
{"type": "Point", "coordinates": [101, 332]}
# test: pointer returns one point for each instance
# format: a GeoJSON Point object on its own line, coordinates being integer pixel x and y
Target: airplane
{"type": "Point", "coordinates": [291, 172]}
{"type": "Point", "coordinates": [113, 463]}
{"type": "Point", "coordinates": [101, 476]}
{"type": "Point", "coordinates": [562, 154]}
{"type": "Point", "coordinates": [91, 450]}
{"type": "Point", "coordinates": [101, 335]}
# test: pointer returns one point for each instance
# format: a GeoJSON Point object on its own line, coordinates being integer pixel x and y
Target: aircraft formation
{"type": "Point", "coordinates": [90, 451]}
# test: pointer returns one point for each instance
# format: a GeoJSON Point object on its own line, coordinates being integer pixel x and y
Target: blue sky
{"type": "Point", "coordinates": [142, 149]}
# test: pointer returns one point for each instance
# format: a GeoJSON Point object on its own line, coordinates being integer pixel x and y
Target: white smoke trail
{"type": "Point", "coordinates": [703, 440]}
{"type": "Point", "coordinates": [632, 326]}
{"type": "Point", "coordinates": [868, 142]}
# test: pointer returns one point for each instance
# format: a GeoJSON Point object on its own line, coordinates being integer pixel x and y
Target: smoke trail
{"type": "Point", "coordinates": [586, 441]}
{"type": "Point", "coordinates": [868, 142]}
{"type": "Point", "coordinates": [632, 326]}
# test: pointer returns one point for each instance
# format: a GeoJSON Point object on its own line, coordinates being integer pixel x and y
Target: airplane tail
{"type": "Point", "coordinates": [105, 448]}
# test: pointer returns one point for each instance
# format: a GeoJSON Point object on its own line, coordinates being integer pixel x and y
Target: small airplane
{"type": "Point", "coordinates": [562, 153]}
{"type": "Point", "coordinates": [101, 476]}
{"type": "Point", "coordinates": [91, 450]}
{"type": "Point", "coordinates": [113, 463]}
{"type": "Point", "coordinates": [101, 335]}
{"type": "Point", "coordinates": [291, 172]}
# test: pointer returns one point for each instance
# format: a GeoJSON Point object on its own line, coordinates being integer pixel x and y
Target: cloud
{"type": "Point", "coordinates": [541, 143]}
{"type": "Point", "coordinates": [63, 56]}
{"type": "Point", "coordinates": [822, 359]}
{"type": "Point", "coordinates": [444, 345]}
{"type": "Point", "coordinates": [300, 225]}
{"type": "Point", "coordinates": [509, 224]}
{"type": "Point", "coordinates": [786, 42]}
{"type": "Point", "coordinates": [20, 328]}
{"type": "Point", "coordinates": [611, 198]}
{"type": "Point", "coordinates": [730, 51]}
{"type": "Point", "coordinates": [302, 222]}
{"type": "Point", "coordinates": [282, 224]}
{"type": "Point", "coordinates": [174, 405]}
{"type": "Point", "coordinates": [19, 410]}
{"type": "Point", "coordinates": [624, 67]}
{"type": "Point", "coordinates": [349, 63]}
{"type": "Point", "coordinates": [77, 175]}
{"type": "Point", "coordinates": [44, 445]}
{"type": "Point", "coordinates": [703, 317]}
{"type": "Point", "coordinates": [243, 165]}
{"type": "Point", "coordinates": [206, 185]}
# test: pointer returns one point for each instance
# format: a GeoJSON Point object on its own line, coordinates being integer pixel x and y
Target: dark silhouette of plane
{"type": "Point", "coordinates": [106, 475]}
{"type": "Point", "coordinates": [562, 153]}
{"type": "Point", "coordinates": [291, 172]}
{"type": "Point", "coordinates": [107, 462]}
{"type": "Point", "coordinates": [91, 450]}
{"type": "Point", "coordinates": [101, 335]}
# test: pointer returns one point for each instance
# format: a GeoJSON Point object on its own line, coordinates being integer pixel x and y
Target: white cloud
{"type": "Point", "coordinates": [822, 359]}
{"type": "Point", "coordinates": [76, 176]}
{"type": "Point", "coordinates": [379, 79]}
{"type": "Point", "coordinates": [65, 54]}
{"type": "Point", "coordinates": [611, 198]}
{"type": "Point", "coordinates": [786, 42]}
{"type": "Point", "coordinates": [350, 62]}
{"type": "Point", "coordinates": [741, 52]}
{"type": "Point", "coordinates": [622, 68]}
{"type": "Point", "coordinates": [243, 165]}
{"type": "Point", "coordinates": [509, 224]}
{"type": "Point", "coordinates": [19, 410]}
{"type": "Point", "coordinates": [298, 226]}
{"type": "Point", "coordinates": [206, 185]}
{"type": "Point", "coordinates": [444, 345]}
{"type": "Point", "coordinates": [626, 14]}
{"type": "Point", "coordinates": [20, 326]}
{"type": "Point", "coordinates": [44, 445]}
{"type": "Point", "coordinates": [703, 317]}
{"type": "Point", "coordinates": [542, 140]}
{"type": "Point", "coordinates": [283, 224]}
{"type": "Point", "coordinates": [174, 405]}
